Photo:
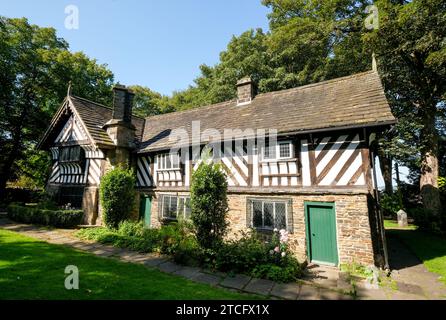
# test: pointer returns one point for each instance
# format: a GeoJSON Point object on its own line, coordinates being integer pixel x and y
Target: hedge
{"type": "Point", "coordinates": [55, 218]}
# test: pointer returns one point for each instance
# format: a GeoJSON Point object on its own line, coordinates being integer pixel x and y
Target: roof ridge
{"type": "Point", "coordinates": [316, 84]}
{"type": "Point", "coordinates": [101, 105]}
{"type": "Point", "coordinates": [209, 106]}
{"type": "Point", "coordinates": [310, 85]}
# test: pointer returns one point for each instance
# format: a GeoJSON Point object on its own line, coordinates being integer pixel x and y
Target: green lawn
{"type": "Point", "coordinates": [429, 248]}
{"type": "Point", "coordinates": [32, 269]}
{"type": "Point", "coordinates": [392, 224]}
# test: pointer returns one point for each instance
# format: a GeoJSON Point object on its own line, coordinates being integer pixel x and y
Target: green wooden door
{"type": "Point", "coordinates": [145, 209]}
{"type": "Point", "coordinates": [321, 233]}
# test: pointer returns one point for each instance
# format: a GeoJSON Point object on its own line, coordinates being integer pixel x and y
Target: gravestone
{"type": "Point", "coordinates": [402, 219]}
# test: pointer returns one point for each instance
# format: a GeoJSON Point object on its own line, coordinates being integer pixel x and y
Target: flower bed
{"type": "Point", "coordinates": [36, 215]}
{"type": "Point", "coordinates": [249, 255]}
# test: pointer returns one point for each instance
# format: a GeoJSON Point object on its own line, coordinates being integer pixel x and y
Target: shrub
{"type": "Point", "coordinates": [146, 241]}
{"type": "Point", "coordinates": [175, 239]}
{"type": "Point", "coordinates": [117, 196]}
{"type": "Point", "coordinates": [442, 184]}
{"type": "Point", "coordinates": [188, 252]}
{"type": "Point", "coordinates": [391, 204]}
{"type": "Point", "coordinates": [55, 218]}
{"type": "Point", "coordinates": [442, 187]}
{"type": "Point", "coordinates": [173, 235]}
{"type": "Point", "coordinates": [288, 273]}
{"type": "Point", "coordinates": [131, 228]}
{"type": "Point", "coordinates": [47, 204]}
{"type": "Point", "coordinates": [250, 255]}
{"type": "Point", "coordinates": [99, 234]}
{"type": "Point", "coordinates": [241, 255]}
{"type": "Point", "coordinates": [209, 204]}
{"type": "Point", "coordinates": [426, 220]}
{"type": "Point", "coordinates": [22, 195]}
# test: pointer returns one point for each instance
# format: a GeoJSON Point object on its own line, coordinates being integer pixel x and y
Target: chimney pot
{"type": "Point", "coordinates": [245, 91]}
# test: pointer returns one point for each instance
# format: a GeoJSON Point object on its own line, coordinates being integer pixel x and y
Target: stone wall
{"type": "Point", "coordinates": [90, 205]}
{"type": "Point", "coordinates": [352, 222]}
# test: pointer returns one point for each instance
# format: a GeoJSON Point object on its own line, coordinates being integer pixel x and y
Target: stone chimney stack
{"type": "Point", "coordinates": [245, 91]}
{"type": "Point", "coordinates": [122, 104]}
{"type": "Point", "coordinates": [120, 128]}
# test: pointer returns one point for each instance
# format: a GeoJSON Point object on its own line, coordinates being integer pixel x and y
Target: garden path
{"type": "Point", "coordinates": [320, 282]}
{"type": "Point", "coordinates": [410, 275]}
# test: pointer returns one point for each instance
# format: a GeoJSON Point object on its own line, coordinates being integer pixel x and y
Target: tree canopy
{"type": "Point", "coordinates": [307, 42]}
{"type": "Point", "coordinates": [35, 68]}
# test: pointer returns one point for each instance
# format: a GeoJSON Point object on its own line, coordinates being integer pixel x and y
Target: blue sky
{"type": "Point", "coordinates": [159, 44]}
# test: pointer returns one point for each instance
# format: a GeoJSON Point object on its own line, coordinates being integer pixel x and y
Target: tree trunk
{"type": "Point", "coordinates": [429, 183]}
{"type": "Point", "coordinates": [430, 193]}
{"type": "Point", "coordinates": [385, 163]}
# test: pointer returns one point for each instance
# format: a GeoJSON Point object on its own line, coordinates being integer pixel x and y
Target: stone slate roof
{"type": "Point", "coordinates": [93, 115]}
{"type": "Point", "coordinates": [353, 101]}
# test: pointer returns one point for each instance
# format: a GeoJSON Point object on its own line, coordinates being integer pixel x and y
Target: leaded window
{"type": "Point", "coordinates": [70, 154]}
{"type": "Point", "coordinates": [278, 151]}
{"type": "Point", "coordinates": [269, 214]}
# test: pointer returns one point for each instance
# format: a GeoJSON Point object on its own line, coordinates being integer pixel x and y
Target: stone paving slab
{"type": "Point", "coordinates": [238, 282]}
{"type": "Point", "coordinates": [82, 246]}
{"type": "Point", "coordinates": [370, 294]}
{"type": "Point", "coordinates": [153, 261]}
{"type": "Point", "coordinates": [259, 286]}
{"type": "Point", "coordinates": [216, 273]}
{"type": "Point", "coordinates": [169, 267]}
{"type": "Point", "coordinates": [137, 258]}
{"type": "Point", "coordinates": [125, 254]}
{"type": "Point", "coordinates": [188, 272]}
{"type": "Point", "coordinates": [309, 293]}
{"type": "Point", "coordinates": [207, 279]}
{"type": "Point", "coordinates": [326, 294]}
{"type": "Point", "coordinates": [289, 291]}
{"type": "Point", "coordinates": [409, 288]}
{"type": "Point", "coordinates": [397, 295]}
{"type": "Point", "coordinates": [102, 253]}
{"type": "Point", "coordinates": [58, 241]}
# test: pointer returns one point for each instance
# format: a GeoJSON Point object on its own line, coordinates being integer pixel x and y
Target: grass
{"type": "Point", "coordinates": [429, 248]}
{"type": "Point", "coordinates": [33, 269]}
{"type": "Point", "coordinates": [392, 224]}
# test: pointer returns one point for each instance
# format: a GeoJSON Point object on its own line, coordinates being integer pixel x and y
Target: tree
{"type": "Point", "coordinates": [35, 68]}
{"type": "Point", "coordinates": [149, 103]}
{"type": "Point", "coordinates": [311, 41]}
{"type": "Point", "coordinates": [317, 40]}
{"type": "Point", "coordinates": [117, 195]}
{"type": "Point", "coordinates": [412, 59]}
{"type": "Point", "coordinates": [32, 171]}
{"type": "Point", "coordinates": [245, 55]}
{"type": "Point", "coordinates": [209, 204]}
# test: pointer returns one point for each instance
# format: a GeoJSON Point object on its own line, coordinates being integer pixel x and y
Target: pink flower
{"type": "Point", "coordinates": [277, 249]}
{"type": "Point", "coordinates": [283, 236]}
